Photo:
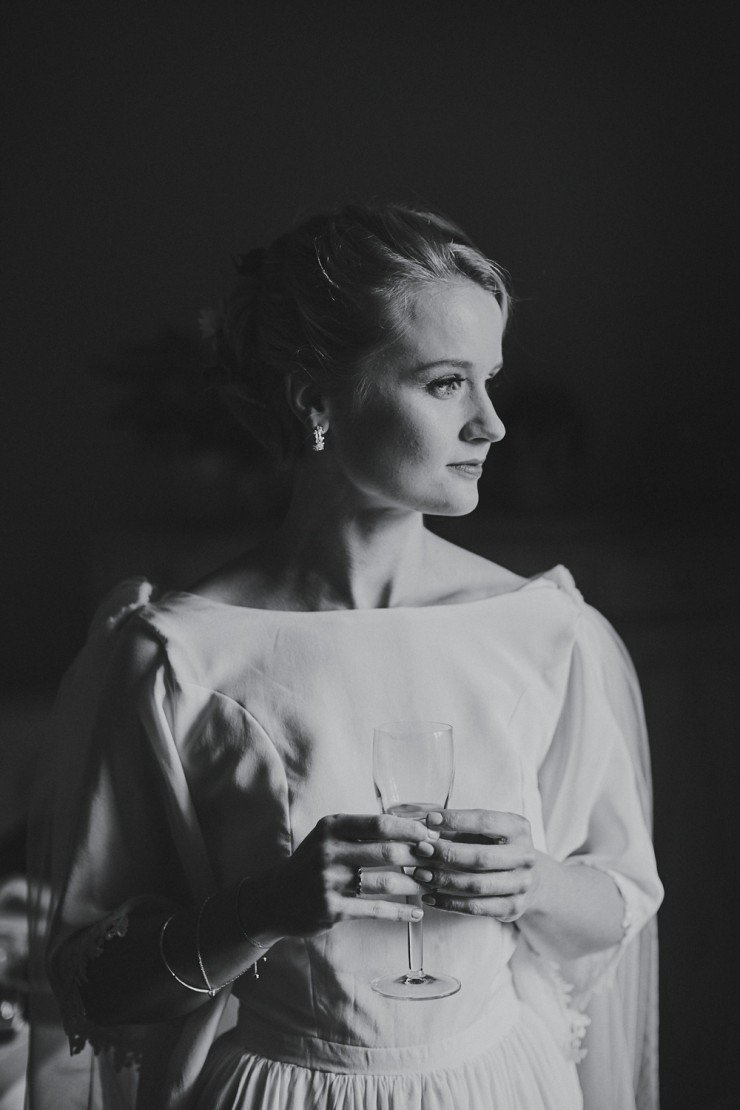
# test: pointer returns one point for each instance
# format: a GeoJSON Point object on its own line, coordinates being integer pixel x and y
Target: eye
{"type": "Point", "coordinates": [445, 387]}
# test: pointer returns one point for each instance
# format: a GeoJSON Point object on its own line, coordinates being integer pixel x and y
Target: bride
{"type": "Point", "coordinates": [219, 888]}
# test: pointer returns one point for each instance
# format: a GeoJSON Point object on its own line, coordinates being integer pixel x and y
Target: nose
{"type": "Point", "coordinates": [484, 422]}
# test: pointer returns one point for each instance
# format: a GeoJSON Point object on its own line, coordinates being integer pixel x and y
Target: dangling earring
{"type": "Point", "coordinates": [318, 438]}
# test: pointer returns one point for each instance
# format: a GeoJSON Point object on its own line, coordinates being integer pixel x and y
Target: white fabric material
{"type": "Point", "coordinates": [507, 1058]}
{"type": "Point", "coordinates": [218, 760]}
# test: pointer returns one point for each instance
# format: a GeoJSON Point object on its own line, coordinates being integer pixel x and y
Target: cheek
{"type": "Point", "coordinates": [383, 439]}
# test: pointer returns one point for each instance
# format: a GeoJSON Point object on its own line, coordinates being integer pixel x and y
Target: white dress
{"type": "Point", "coordinates": [252, 725]}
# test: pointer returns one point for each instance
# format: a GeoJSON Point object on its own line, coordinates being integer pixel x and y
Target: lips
{"type": "Point", "coordinates": [471, 468]}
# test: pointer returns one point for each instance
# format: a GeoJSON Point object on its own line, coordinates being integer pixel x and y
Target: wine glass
{"type": "Point", "coordinates": [413, 769]}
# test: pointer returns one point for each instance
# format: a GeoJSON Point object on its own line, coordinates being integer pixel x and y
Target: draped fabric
{"type": "Point", "coordinates": [71, 1062]}
{"type": "Point", "coordinates": [616, 992]}
{"type": "Point", "coordinates": [193, 742]}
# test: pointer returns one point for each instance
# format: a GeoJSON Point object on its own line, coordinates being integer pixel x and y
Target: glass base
{"type": "Point", "coordinates": [415, 988]}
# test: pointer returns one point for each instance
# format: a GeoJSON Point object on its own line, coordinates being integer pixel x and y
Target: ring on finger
{"type": "Point", "coordinates": [357, 884]}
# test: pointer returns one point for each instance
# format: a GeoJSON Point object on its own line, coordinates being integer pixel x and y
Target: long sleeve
{"type": "Point", "coordinates": [595, 789]}
{"type": "Point", "coordinates": [115, 835]}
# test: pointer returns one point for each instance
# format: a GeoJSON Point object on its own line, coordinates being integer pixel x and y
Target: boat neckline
{"type": "Point", "coordinates": [544, 578]}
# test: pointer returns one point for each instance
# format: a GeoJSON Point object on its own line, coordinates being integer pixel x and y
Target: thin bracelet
{"type": "Point", "coordinates": [165, 961]}
{"type": "Point", "coordinates": [211, 990]}
{"type": "Point", "coordinates": [242, 930]}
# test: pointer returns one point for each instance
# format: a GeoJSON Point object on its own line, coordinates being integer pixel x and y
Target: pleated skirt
{"type": "Point", "coordinates": [508, 1060]}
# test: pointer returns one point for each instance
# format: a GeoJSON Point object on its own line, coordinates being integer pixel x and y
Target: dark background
{"type": "Point", "coordinates": [589, 148]}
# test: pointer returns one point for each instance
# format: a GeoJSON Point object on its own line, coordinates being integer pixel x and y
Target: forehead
{"type": "Point", "coordinates": [455, 320]}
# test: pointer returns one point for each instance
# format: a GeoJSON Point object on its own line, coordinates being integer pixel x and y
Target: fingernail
{"type": "Point", "coordinates": [424, 848]}
{"type": "Point", "coordinates": [433, 834]}
{"type": "Point", "coordinates": [422, 875]}
{"type": "Point", "coordinates": [417, 914]}
{"type": "Point", "coordinates": [434, 818]}
{"type": "Point", "coordinates": [428, 900]}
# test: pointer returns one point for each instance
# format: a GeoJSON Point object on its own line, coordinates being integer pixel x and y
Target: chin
{"type": "Point", "coordinates": [456, 511]}
{"type": "Point", "coordinates": [452, 506]}
{"type": "Point", "coordinates": [440, 499]}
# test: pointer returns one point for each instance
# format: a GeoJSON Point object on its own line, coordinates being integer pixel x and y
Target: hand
{"type": "Point", "coordinates": [484, 863]}
{"type": "Point", "coordinates": [314, 889]}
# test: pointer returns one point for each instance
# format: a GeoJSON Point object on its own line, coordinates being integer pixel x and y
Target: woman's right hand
{"type": "Point", "coordinates": [316, 887]}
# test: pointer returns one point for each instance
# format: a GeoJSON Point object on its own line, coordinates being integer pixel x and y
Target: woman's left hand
{"type": "Point", "coordinates": [484, 863]}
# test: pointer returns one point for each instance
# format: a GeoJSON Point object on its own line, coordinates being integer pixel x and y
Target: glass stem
{"type": "Point", "coordinates": [416, 943]}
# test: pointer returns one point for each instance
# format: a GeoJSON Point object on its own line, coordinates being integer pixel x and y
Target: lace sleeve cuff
{"type": "Point", "coordinates": [68, 970]}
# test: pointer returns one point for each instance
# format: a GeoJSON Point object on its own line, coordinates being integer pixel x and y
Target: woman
{"type": "Point", "coordinates": [218, 812]}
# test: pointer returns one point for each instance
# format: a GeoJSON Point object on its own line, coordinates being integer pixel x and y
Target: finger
{"type": "Point", "coordinates": [457, 855]}
{"type": "Point", "coordinates": [505, 909]}
{"type": "Point", "coordinates": [374, 907]}
{"type": "Point", "coordinates": [377, 826]}
{"type": "Point", "coordinates": [474, 838]}
{"type": "Point", "coordinates": [376, 883]}
{"type": "Point", "coordinates": [388, 853]}
{"type": "Point", "coordinates": [475, 884]}
{"type": "Point", "coordinates": [493, 824]}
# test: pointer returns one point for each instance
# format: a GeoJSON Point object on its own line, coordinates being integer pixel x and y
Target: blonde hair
{"type": "Point", "coordinates": [324, 297]}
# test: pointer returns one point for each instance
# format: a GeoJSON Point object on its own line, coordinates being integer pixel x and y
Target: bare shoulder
{"type": "Point", "coordinates": [243, 582]}
{"type": "Point", "coordinates": [451, 575]}
{"type": "Point", "coordinates": [459, 575]}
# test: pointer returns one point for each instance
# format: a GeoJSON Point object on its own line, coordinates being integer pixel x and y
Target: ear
{"type": "Point", "coordinates": [306, 400]}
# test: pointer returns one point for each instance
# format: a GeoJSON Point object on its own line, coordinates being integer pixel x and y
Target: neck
{"type": "Point", "coordinates": [335, 554]}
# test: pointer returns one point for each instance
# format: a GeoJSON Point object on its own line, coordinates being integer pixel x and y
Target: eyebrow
{"type": "Point", "coordinates": [458, 363]}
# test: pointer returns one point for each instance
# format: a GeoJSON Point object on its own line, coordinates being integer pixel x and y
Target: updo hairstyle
{"type": "Point", "coordinates": [321, 299]}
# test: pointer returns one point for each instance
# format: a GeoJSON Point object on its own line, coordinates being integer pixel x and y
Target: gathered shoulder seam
{"type": "Point", "coordinates": [228, 697]}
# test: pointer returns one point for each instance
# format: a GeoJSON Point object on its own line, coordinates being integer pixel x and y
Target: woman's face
{"type": "Point", "coordinates": [421, 435]}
